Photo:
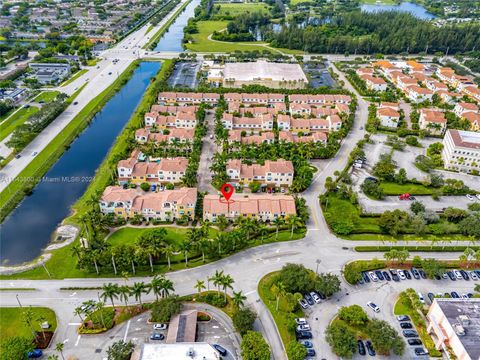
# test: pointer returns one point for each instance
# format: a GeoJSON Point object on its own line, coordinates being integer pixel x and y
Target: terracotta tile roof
{"type": "Point", "coordinates": [266, 136]}
{"type": "Point", "coordinates": [156, 201]}
{"type": "Point", "coordinates": [419, 90]}
{"type": "Point", "coordinates": [392, 105]}
{"type": "Point", "coordinates": [468, 106]}
{"type": "Point", "coordinates": [472, 117]}
{"type": "Point", "coordinates": [388, 112]}
{"type": "Point", "coordinates": [251, 204]}
{"type": "Point", "coordinates": [178, 164]}
{"type": "Point", "coordinates": [431, 115]}
{"type": "Point", "coordinates": [373, 79]}
{"type": "Point", "coordinates": [118, 193]}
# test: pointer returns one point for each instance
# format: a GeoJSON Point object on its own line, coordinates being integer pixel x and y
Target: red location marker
{"type": "Point", "coordinates": [227, 191]}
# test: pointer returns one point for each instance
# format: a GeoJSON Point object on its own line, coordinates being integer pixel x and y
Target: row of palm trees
{"type": "Point", "coordinates": [221, 281]}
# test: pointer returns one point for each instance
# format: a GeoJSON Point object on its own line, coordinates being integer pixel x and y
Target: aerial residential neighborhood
{"type": "Point", "coordinates": [256, 180]}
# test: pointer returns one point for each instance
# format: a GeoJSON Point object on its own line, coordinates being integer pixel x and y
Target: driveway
{"type": "Point", "coordinates": [209, 148]}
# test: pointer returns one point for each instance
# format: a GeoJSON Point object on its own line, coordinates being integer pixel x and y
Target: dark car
{"type": "Point", "coordinates": [303, 334]}
{"type": "Point", "coordinates": [420, 351]}
{"type": "Point", "coordinates": [407, 274]}
{"type": "Point", "coordinates": [415, 273]}
{"type": "Point", "coordinates": [414, 342]}
{"type": "Point", "coordinates": [34, 354]}
{"type": "Point", "coordinates": [464, 275]}
{"type": "Point", "coordinates": [431, 296]}
{"type": "Point", "coordinates": [470, 295]}
{"type": "Point", "coordinates": [361, 348]}
{"type": "Point", "coordinates": [370, 349]}
{"type": "Point", "coordinates": [306, 343]}
{"type": "Point", "coordinates": [395, 277]}
{"type": "Point", "coordinates": [157, 336]}
{"type": "Point", "coordinates": [437, 277]}
{"type": "Point", "coordinates": [220, 349]}
{"type": "Point", "coordinates": [386, 276]}
{"type": "Point", "coordinates": [409, 333]}
{"type": "Point", "coordinates": [379, 275]}
{"type": "Point", "coordinates": [309, 299]}
{"type": "Point", "coordinates": [455, 295]}
{"type": "Point", "coordinates": [477, 272]}
{"type": "Point", "coordinates": [403, 318]}
{"type": "Point", "coordinates": [75, 102]}
{"type": "Point", "coordinates": [422, 274]}
{"type": "Point", "coordinates": [365, 276]}
{"type": "Point", "coordinates": [310, 352]}
{"type": "Point", "coordinates": [406, 325]}
{"type": "Point", "coordinates": [371, 178]}
{"type": "Point", "coordinates": [451, 276]}
{"type": "Point", "coordinates": [322, 295]}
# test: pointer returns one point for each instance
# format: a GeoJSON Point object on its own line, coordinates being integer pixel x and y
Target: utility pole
{"type": "Point", "coordinates": [318, 261]}
{"type": "Point", "coordinates": [18, 300]}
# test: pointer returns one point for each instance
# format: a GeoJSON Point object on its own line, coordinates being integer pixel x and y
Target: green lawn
{"type": "Point", "coordinates": [281, 316]}
{"type": "Point", "coordinates": [74, 77]}
{"type": "Point", "coordinates": [391, 188]}
{"type": "Point", "coordinates": [296, 2]}
{"type": "Point", "coordinates": [11, 321]}
{"type": "Point", "coordinates": [379, 2]}
{"type": "Point", "coordinates": [236, 9]}
{"type": "Point", "coordinates": [46, 96]}
{"type": "Point", "coordinates": [16, 120]}
{"type": "Point", "coordinates": [201, 43]}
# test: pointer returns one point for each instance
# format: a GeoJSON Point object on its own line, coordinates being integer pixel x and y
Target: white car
{"type": "Point", "coordinates": [401, 274]}
{"type": "Point", "coordinates": [457, 274]}
{"type": "Point", "coordinates": [372, 276]}
{"type": "Point", "coordinates": [473, 275]}
{"type": "Point", "coordinates": [300, 321]}
{"type": "Point", "coordinates": [160, 327]}
{"type": "Point", "coordinates": [373, 306]}
{"type": "Point", "coordinates": [421, 298]}
{"type": "Point", "coordinates": [315, 297]}
{"type": "Point", "coordinates": [470, 197]}
{"type": "Point", "coordinates": [34, 153]}
{"type": "Point", "coordinates": [465, 296]}
{"type": "Point", "coordinates": [304, 327]}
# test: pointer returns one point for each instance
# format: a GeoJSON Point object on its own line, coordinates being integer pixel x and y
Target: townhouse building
{"type": "Point", "coordinates": [184, 98]}
{"type": "Point", "coordinates": [389, 115]}
{"type": "Point", "coordinates": [316, 137]}
{"type": "Point", "coordinates": [246, 99]}
{"type": "Point", "coordinates": [277, 173]}
{"type": "Point", "coordinates": [166, 170]}
{"type": "Point", "coordinates": [265, 137]}
{"type": "Point", "coordinates": [417, 94]}
{"type": "Point", "coordinates": [374, 83]}
{"type": "Point", "coordinates": [260, 123]}
{"type": "Point", "coordinates": [172, 136]}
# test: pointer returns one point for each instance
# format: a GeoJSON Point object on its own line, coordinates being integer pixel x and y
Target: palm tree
{"type": "Point", "coordinates": [52, 357]}
{"type": "Point", "coordinates": [200, 285]}
{"type": "Point", "coordinates": [167, 287]}
{"type": "Point", "coordinates": [185, 246]}
{"type": "Point", "coordinates": [40, 319]}
{"type": "Point", "coordinates": [75, 250]}
{"type": "Point", "coordinates": [278, 221]}
{"type": "Point", "coordinates": [280, 290]}
{"type": "Point", "coordinates": [226, 283]}
{"type": "Point", "coordinates": [79, 311]}
{"type": "Point", "coordinates": [110, 291]}
{"type": "Point", "coordinates": [124, 292]}
{"type": "Point", "coordinates": [156, 285]}
{"type": "Point", "coordinates": [203, 245]}
{"type": "Point", "coordinates": [294, 221]}
{"type": "Point", "coordinates": [99, 309]}
{"type": "Point", "coordinates": [27, 318]}
{"type": "Point", "coordinates": [59, 347]}
{"type": "Point", "coordinates": [238, 299]}
{"type": "Point", "coordinates": [263, 230]}
{"type": "Point", "coordinates": [217, 279]}
{"type": "Point", "coordinates": [168, 251]}
{"type": "Point", "coordinates": [138, 289]}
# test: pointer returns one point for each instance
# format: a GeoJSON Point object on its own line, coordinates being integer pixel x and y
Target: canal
{"type": "Point", "coordinates": [28, 229]}
{"type": "Point", "coordinates": [172, 39]}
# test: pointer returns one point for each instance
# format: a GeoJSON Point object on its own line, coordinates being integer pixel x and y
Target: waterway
{"type": "Point", "coordinates": [172, 39]}
{"type": "Point", "coordinates": [415, 9]}
{"type": "Point", "coordinates": [28, 229]}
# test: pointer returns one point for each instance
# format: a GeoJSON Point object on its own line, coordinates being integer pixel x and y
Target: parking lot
{"type": "Point", "coordinates": [318, 75]}
{"type": "Point", "coordinates": [185, 75]}
{"type": "Point", "coordinates": [384, 294]}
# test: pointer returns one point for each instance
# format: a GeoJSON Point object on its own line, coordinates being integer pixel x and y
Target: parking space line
{"type": "Point", "coordinates": [126, 332]}
{"type": "Point", "coordinates": [78, 340]}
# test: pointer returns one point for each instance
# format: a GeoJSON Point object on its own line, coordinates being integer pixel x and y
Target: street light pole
{"type": "Point", "coordinates": [18, 300]}
{"type": "Point", "coordinates": [318, 261]}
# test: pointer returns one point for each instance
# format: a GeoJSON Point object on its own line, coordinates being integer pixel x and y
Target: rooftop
{"type": "Point", "coordinates": [465, 139]}
{"type": "Point", "coordinates": [262, 69]}
{"type": "Point", "coordinates": [180, 351]}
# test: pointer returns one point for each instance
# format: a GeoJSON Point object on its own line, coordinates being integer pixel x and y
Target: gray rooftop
{"type": "Point", "coordinates": [453, 308]}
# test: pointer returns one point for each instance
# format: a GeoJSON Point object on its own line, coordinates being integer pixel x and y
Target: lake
{"type": "Point", "coordinates": [415, 9]}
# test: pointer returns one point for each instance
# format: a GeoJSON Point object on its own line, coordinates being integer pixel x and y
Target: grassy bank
{"type": "Point", "coordinates": [12, 324]}
{"type": "Point", "coordinates": [46, 96]}
{"type": "Point", "coordinates": [154, 39]}
{"type": "Point", "coordinates": [415, 248]}
{"type": "Point", "coordinates": [74, 77]}
{"type": "Point", "coordinates": [17, 119]}
{"type": "Point", "coordinates": [240, 8]}
{"type": "Point", "coordinates": [27, 179]}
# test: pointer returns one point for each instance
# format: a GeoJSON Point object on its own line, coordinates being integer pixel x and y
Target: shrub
{"type": "Point", "coordinates": [164, 309]}
{"type": "Point", "coordinates": [353, 315]}
{"type": "Point", "coordinates": [341, 339]}
{"type": "Point", "coordinates": [243, 320]}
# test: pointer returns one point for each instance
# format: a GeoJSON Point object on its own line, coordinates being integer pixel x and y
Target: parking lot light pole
{"type": "Point", "coordinates": [318, 261]}
{"type": "Point", "coordinates": [18, 300]}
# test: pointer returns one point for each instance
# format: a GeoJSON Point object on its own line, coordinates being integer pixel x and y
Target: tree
{"type": "Point", "coordinates": [296, 351]}
{"type": "Point", "coordinates": [138, 289]}
{"type": "Point", "coordinates": [120, 350]}
{"type": "Point", "coordinates": [254, 186]}
{"type": "Point", "coordinates": [59, 348]}
{"type": "Point", "coordinates": [294, 221]}
{"type": "Point", "coordinates": [470, 225]}
{"type": "Point", "coordinates": [238, 299]}
{"type": "Point", "coordinates": [296, 278]}
{"type": "Point", "coordinates": [353, 315]}
{"type": "Point", "coordinates": [372, 188]}
{"type": "Point", "coordinates": [432, 267]}
{"type": "Point", "coordinates": [278, 221]}
{"type": "Point", "coordinates": [341, 339]}
{"type": "Point", "coordinates": [391, 222]}
{"type": "Point", "coordinates": [16, 347]}
{"type": "Point", "coordinates": [352, 272]}
{"type": "Point", "coordinates": [401, 176]}
{"type": "Point", "coordinates": [417, 207]}
{"type": "Point", "coordinates": [226, 282]}
{"type": "Point", "coordinates": [124, 293]}
{"type": "Point", "coordinates": [165, 308]}
{"type": "Point", "coordinates": [384, 337]}
{"type": "Point", "coordinates": [110, 291]}
{"type": "Point", "coordinates": [243, 320]}
{"type": "Point", "coordinates": [200, 285]}
{"type": "Point", "coordinates": [145, 186]}
{"type": "Point", "coordinates": [254, 347]}
{"type": "Point", "coordinates": [328, 284]}
{"type": "Point", "coordinates": [385, 167]}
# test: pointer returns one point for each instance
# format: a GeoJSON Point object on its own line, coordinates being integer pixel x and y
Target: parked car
{"type": "Point", "coordinates": [153, 187]}
{"type": "Point", "coordinates": [452, 276]}
{"type": "Point", "coordinates": [406, 325]}
{"type": "Point", "coordinates": [370, 349]}
{"type": "Point", "coordinates": [300, 321]}
{"type": "Point", "coordinates": [365, 276]}
{"type": "Point", "coordinates": [309, 299]}
{"type": "Point", "coordinates": [409, 333]}
{"type": "Point", "coordinates": [401, 274]}
{"type": "Point", "coordinates": [306, 343]}
{"type": "Point", "coordinates": [403, 318]}
{"type": "Point", "coordinates": [34, 153]}
{"type": "Point", "coordinates": [458, 274]}
{"type": "Point", "coordinates": [310, 352]}
{"type": "Point", "coordinates": [373, 276]}
{"type": "Point", "coordinates": [455, 295]}
{"type": "Point", "coordinates": [473, 275]}
{"type": "Point", "coordinates": [160, 327]}
{"type": "Point", "coordinates": [420, 351]}
{"type": "Point", "coordinates": [415, 273]}
{"type": "Point", "coordinates": [34, 354]}
{"type": "Point", "coordinates": [379, 275]}
{"type": "Point", "coordinates": [395, 277]}
{"type": "Point", "coordinates": [407, 274]}
{"type": "Point", "coordinates": [157, 336]}
{"type": "Point", "coordinates": [221, 350]}
{"type": "Point", "coordinates": [422, 274]}
{"type": "Point", "coordinates": [470, 197]}
{"type": "Point", "coordinates": [18, 156]}
{"type": "Point", "coordinates": [373, 306]}
{"type": "Point", "coordinates": [303, 304]}
{"type": "Point", "coordinates": [431, 296]}
{"type": "Point", "coordinates": [303, 335]}
{"type": "Point", "coordinates": [75, 103]}
{"type": "Point", "coordinates": [361, 348]}
{"type": "Point", "coordinates": [304, 327]}
{"type": "Point", "coordinates": [421, 298]}
{"type": "Point", "coordinates": [414, 342]}
{"type": "Point", "coordinates": [322, 295]}
{"type": "Point", "coordinates": [464, 275]}
{"type": "Point", "coordinates": [386, 276]}
{"type": "Point", "coordinates": [315, 297]}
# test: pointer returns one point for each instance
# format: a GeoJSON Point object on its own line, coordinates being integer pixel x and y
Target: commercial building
{"type": "Point", "coordinates": [261, 72]}
{"type": "Point", "coordinates": [277, 173]}
{"type": "Point", "coordinates": [264, 206]}
{"type": "Point", "coordinates": [461, 150]}
{"type": "Point", "coordinates": [180, 351]}
{"type": "Point", "coordinates": [166, 205]}
{"type": "Point", "coordinates": [455, 327]}
{"type": "Point", "coordinates": [50, 72]}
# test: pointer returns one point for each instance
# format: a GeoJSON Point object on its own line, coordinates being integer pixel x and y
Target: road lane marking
{"type": "Point", "coordinates": [74, 324]}
{"type": "Point", "coordinates": [78, 340]}
{"type": "Point", "coordinates": [126, 332]}
{"type": "Point", "coordinates": [250, 292]}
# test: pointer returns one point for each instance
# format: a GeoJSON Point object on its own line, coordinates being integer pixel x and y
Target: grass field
{"type": "Point", "coordinates": [46, 96]}
{"type": "Point", "coordinates": [11, 321]}
{"type": "Point", "coordinates": [17, 119]}
{"type": "Point", "coordinates": [74, 77]}
{"type": "Point", "coordinates": [296, 2]}
{"type": "Point", "coordinates": [391, 188]}
{"type": "Point", "coordinates": [203, 44]}
{"type": "Point", "coordinates": [236, 9]}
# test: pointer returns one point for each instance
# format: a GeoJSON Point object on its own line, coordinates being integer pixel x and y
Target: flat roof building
{"type": "Point", "coordinates": [180, 351]}
{"type": "Point", "coordinates": [261, 72]}
{"type": "Point", "coordinates": [461, 150]}
{"type": "Point", "coordinates": [455, 325]}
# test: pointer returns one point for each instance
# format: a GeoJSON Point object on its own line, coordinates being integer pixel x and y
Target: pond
{"type": "Point", "coordinates": [27, 230]}
{"type": "Point", "coordinates": [415, 9]}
